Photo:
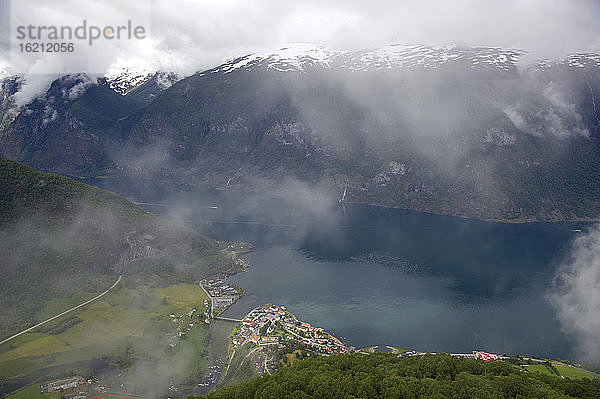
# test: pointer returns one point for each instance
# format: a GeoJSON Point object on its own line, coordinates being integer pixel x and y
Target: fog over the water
{"type": "Point", "coordinates": [576, 295]}
{"type": "Point", "coordinates": [198, 34]}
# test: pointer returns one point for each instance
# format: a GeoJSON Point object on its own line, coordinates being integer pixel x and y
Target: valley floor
{"type": "Point", "coordinates": [152, 332]}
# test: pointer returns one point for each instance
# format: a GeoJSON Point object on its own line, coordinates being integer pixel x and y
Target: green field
{"type": "Point", "coordinates": [565, 371]}
{"type": "Point", "coordinates": [573, 373]}
{"type": "Point", "coordinates": [539, 368]}
{"type": "Point", "coordinates": [33, 392]}
{"type": "Point", "coordinates": [128, 327]}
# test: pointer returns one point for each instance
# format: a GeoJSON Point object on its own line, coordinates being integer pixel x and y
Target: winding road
{"type": "Point", "coordinates": [63, 313]}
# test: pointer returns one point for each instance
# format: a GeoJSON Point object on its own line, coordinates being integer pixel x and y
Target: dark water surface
{"type": "Point", "coordinates": [384, 276]}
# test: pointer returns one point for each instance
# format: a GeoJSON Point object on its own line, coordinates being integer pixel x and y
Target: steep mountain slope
{"type": "Point", "coordinates": [71, 128]}
{"type": "Point", "coordinates": [78, 122]}
{"type": "Point", "coordinates": [59, 237]}
{"type": "Point", "coordinates": [455, 130]}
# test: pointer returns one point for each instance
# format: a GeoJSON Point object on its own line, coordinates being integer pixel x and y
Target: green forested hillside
{"type": "Point", "coordinates": [59, 237]}
{"type": "Point", "coordinates": [27, 191]}
{"type": "Point", "coordinates": [388, 376]}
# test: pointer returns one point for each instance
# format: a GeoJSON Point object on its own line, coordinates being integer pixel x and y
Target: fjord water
{"type": "Point", "coordinates": [384, 276]}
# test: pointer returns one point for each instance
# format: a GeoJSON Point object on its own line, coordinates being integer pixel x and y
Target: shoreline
{"type": "Point", "coordinates": [242, 191]}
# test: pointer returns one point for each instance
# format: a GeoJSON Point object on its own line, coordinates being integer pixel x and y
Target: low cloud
{"type": "Point", "coordinates": [576, 295]}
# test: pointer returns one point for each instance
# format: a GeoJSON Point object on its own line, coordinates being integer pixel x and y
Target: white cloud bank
{"type": "Point", "coordinates": [576, 295]}
{"type": "Point", "coordinates": [191, 35]}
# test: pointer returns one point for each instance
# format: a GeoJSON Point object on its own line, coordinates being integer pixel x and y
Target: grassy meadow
{"type": "Point", "coordinates": [127, 329]}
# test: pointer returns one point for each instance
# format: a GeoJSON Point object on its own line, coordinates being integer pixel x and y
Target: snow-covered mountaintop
{"type": "Point", "coordinates": [123, 80]}
{"type": "Point", "coordinates": [300, 57]}
{"type": "Point", "coordinates": [405, 57]}
{"type": "Point", "coordinates": [297, 57]}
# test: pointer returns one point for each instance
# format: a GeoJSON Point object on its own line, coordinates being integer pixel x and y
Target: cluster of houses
{"type": "Point", "coordinates": [221, 293]}
{"type": "Point", "coordinates": [270, 325]}
{"type": "Point", "coordinates": [486, 357]}
{"type": "Point", "coordinates": [184, 323]}
{"type": "Point", "coordinates": [479, 355]}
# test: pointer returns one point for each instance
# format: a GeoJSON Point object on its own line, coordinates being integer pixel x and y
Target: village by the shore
{"type": "Point", "coordinates": [271, 325]}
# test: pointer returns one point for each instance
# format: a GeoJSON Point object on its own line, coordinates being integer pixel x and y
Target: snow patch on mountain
{"type": "Point", "coordinates": [297, 57]}
{"type": "Point", "coordinates": [410, 57]}
{"type": "Point", "coordinates": [301, 56]}
{"type": "Point", "coordinates": [164, 80]}
{"type": "Point", "coordinates": [583, 60]}
{"type": "Point", "coordinates": [123, 80]}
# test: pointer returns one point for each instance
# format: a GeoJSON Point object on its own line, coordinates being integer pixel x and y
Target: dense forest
{"type": "Point", "coordinates": [389, 376]}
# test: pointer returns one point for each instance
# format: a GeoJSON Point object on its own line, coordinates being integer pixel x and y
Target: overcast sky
{"type": "Point", "coordinates": [190, 35]}
{"type": "Point", "coordinates": [204, 32]}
